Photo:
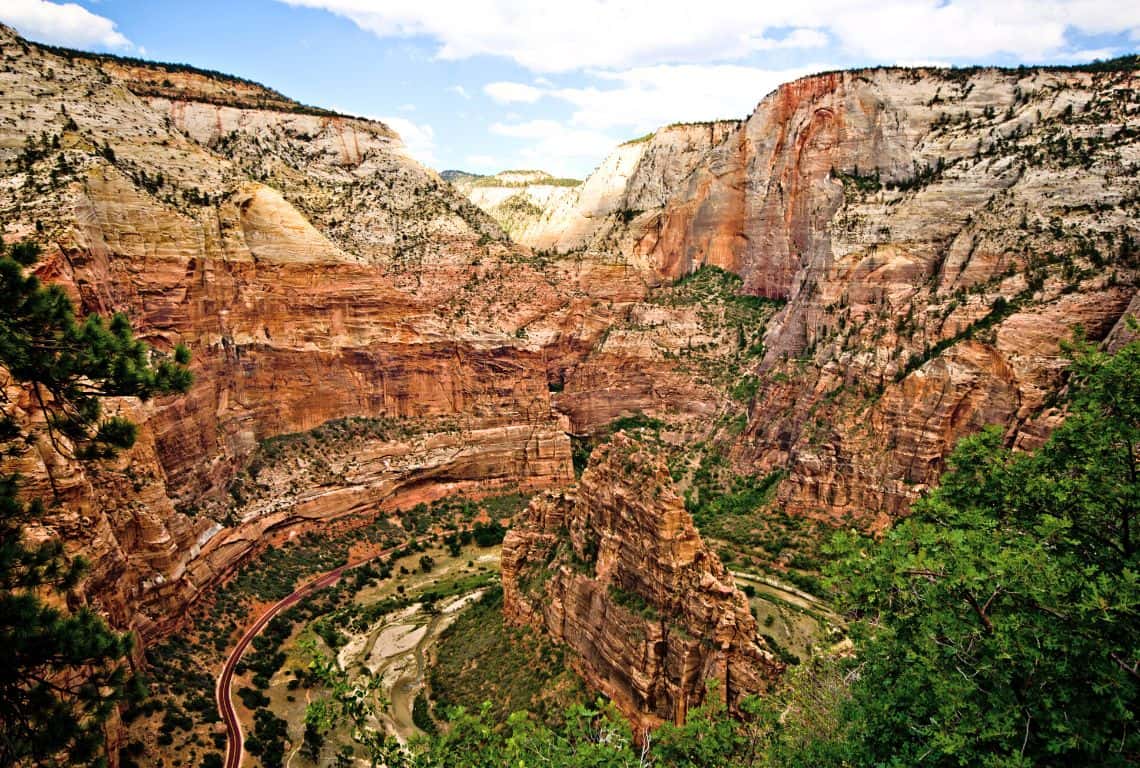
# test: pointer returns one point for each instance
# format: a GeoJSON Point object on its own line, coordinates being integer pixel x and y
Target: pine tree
{"type": "Point", "coordinates": [64, 671]}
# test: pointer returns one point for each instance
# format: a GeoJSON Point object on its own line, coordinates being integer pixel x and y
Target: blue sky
{"type": "Point", "coordinates": [484, 85]}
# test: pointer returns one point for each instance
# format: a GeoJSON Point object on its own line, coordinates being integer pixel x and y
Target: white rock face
{"type": "Point", "coordinates": [570, 221]}
{"type": "Point", "coordinates": [488, 198]}
{"type": "Point", "coordinates": [515, 199]}
{"type": "Point", "coordinates": [632, 185]}
{"type": "Point", "coordinates": [597, 216]}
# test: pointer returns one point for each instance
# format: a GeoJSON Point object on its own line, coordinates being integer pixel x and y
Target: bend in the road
{"type": "Point", "coordinates": [223, 692]}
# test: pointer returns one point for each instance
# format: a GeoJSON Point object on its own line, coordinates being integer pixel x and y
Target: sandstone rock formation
{"type": "Point", "coordinates": [616, 570]}
{"type": "Point", "coordinates": [315, 272]}
{"type": "Point", "coordinates": [935, 233]}
{"type": "Point", "coordinates": [514, 199]}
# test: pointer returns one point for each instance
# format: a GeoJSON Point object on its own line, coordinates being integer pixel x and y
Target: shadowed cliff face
{"type": "Point", "coordinates": [616, 570]}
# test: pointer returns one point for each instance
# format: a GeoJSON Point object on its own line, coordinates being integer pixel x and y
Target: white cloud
{"type": "Point", "coordinates": [631, 102]}
{"type": "Point", "coordinates": [507, 93]}
{"type": "Point", "coordinates": [557, 36]}
{"type": "Point", "coordinates": [644, 98]}
{"type": "Point", "coordinates": [460, 91]}
{"type": "Point", "coordinates": [915, 63]}
{"type": "Point", "coordinates": [554, 146]}
{"type": "Point", "coordinates": [964, 29]}
{"type": "Point", "coordinates": [1090, 54]}
{"type": "Point", "coordinates": [61, 24]}
{"type": "Point", "coordinates": [482, 163]}
{"type": "Point", "coordinates": [797, 38]}
{"type": "Point", "coordinates": [419, 138]}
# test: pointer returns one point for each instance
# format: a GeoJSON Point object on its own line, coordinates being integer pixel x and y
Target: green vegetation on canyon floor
{"type": "Point", "coordinates": [291, 683]}
{"type": "Point", "coordinates": [997, 625]}
{"type": "Point", "coordinates": [481, 659]}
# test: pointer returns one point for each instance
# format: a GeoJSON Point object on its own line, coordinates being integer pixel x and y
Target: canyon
{"type": "Point", "coordinates": [935, 235]}
{"type": "Point", "coordinates": [910, 248]}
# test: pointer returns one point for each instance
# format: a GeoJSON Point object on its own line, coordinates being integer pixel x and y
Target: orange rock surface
{"type": "Point", "coordinates": [615, 570]}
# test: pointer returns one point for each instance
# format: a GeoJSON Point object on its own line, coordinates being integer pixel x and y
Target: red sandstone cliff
{"type": "Point", "coordinates": [314, 271]}
{"type": "Point", "coordinates": [936, 234]}
{"type": "Point", "coordinates": [616, 571]}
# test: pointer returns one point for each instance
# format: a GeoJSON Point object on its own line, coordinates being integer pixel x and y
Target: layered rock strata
{"type": "Point", "coordinates": [935, 233]}
{"type": "Point", "coordinates": [315, 272]}
{"type": "Point", "coordinates": [615, 570]}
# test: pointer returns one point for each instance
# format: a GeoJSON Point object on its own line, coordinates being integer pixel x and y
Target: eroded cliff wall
{"type": "Point", "coordinates": [935, 233]}
{"type": "Point", "coordinates": [315, 272]}
{"type": "Point", "coordinates": [616, 571]}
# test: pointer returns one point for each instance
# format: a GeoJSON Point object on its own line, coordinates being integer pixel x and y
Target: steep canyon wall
{"type": "Point", "coordinates": [935, 233]}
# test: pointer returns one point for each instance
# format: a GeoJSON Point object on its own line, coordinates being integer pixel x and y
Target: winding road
{"type": "Point", "coordinates": [223, 693]}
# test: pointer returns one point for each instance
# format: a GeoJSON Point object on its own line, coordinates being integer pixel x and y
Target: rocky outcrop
{"type": "Point", "coordinates": [514, 199]}
{"type": "Point", "coordinates": [616, 571]}
{"type": "Point", "coordinates": [314, 271]}
{"type": "Point", "coordinates": [936, 235]}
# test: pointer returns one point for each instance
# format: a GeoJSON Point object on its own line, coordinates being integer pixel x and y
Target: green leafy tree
{"type": "Point", "coordinates": [64, 671]}
{"type": "Point", "coordinates": [802, 724]}
{"type": "Point", "coordinates": [592, 737]}
{"type": "Point", "coordinates": [318, 720]}
{"type": "Point", "coordinates": [1001, 621]}
{"type": "Point", "coordinates": [710, 737]}
{"type": "Point", "coordinates": [355, 702]}
{"type": "Point", "coordinates": [69, 366]}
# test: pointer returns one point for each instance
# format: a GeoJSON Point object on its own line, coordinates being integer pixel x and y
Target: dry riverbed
{"type": "Point", "coordinates": [389, 656]}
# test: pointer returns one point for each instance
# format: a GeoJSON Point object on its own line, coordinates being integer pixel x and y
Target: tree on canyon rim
{"type": "Point", "coordinates": [1001, 621]}
{"type": "Point", "coordinates": [64, 670]}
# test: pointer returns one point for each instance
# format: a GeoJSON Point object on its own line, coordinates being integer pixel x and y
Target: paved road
{"type": "Point", "coordinates": [222, 691]}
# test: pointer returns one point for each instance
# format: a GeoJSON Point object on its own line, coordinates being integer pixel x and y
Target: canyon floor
{"type": "Point", "coordinates": [409, 637]}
